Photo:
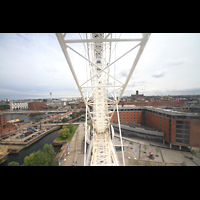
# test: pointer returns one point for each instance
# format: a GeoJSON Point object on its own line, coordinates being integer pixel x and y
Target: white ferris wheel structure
{"type": "Point", "coordinates": [101, 85]}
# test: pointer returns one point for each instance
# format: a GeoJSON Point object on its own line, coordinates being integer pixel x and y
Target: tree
{"type": "Point", "coordinates": [83, 119]}
{"type": "Point", "coordinates": [13, 163]}
{"type": "Point", "coordinates": [4, 107]}
{"type": "Point", "coordinates": [28, 159]}
{"type": "Point", "coordinates": [41, 158]}
{"type": "Point", "coordinates": [70, 127]}
{"type": "Point", "coordinates": [65, 119]}
{"type": "Point", "coordinates": [49, 151]}
{"type": "Point", "coordinates": [64, 133]}
{"type": "Point", "coordinates": [145, 147]}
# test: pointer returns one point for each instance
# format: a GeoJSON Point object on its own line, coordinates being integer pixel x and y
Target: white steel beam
{"type": "Point", "coordinates": [120, 135]}
{"type": "Point", "coordinates": [100, 86]}
{"type": "Point", "coordinates": [103, 40]}
{"type": "Point", "coordinates": [107, 35]}
{"type": "Point", "coordinates": [103, 152]}
{"type": "Point", "coordinates": [63, 46]}
{"type": "Point", "coordinates": [142, 46]}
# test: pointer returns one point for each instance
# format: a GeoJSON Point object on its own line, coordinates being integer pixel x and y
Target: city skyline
{"type": "Point", "coordinates": [33, 64]}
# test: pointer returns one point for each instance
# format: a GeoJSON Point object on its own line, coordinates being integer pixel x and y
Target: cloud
{"type": "Point", "coordinates": [138, 83]}
{"type": "Point", "coordinates": [159, 74]}
{"type": "Point", "coordinates": [171, 62]}
{"type": "Point", "coordinates": [56, 77]}
{"type": "Point", "coordinates": [124, 73]}
{"type": "Point", "coordinates": [33, 63]}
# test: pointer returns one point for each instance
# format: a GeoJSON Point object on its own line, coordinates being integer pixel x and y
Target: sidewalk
{"type": "Point", "coordinates": [76, 150]}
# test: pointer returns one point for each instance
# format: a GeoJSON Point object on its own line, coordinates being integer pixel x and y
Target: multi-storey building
{"type": "Point", "coordinates": [18, 105]}
{"type": "Point", "coordinates": [3, 120]}
{"type": "Point", "coordinates": [4, 126]}
{"type": "Point", "coordinates": [155, 103]}
{"type": "Point", "coordinates": [37, 106]}
{"type": "Point", "coordinates": [180, 128]}
{"type": "Point", "coordinates": [126, 116]}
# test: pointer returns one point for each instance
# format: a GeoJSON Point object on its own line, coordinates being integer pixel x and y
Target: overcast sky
{"type": "Point", "coordinates": [32, 65]}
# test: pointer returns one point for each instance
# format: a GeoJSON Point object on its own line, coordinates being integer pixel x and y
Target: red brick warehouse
{"type": "Point", "coordinates": [37, 106]}
{"type": "Point", "coordinates": [179, 128]}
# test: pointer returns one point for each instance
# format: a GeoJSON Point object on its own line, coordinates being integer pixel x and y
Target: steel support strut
{"type": "Point", "coordinates": [101, 146]}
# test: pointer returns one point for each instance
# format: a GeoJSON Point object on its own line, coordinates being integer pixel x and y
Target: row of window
{"type": "Point", "coordinates": [182, 126]}
{"type": "Point", "coordinates": [155, 120]}
{"type": "Point", "coordinates": [127, 120]}
{"type": "Point", "coordinates": [155, 116]}
{"type": "Point", "coordinates": [183, 122]}
{"type": "Point", "coordinates": [127, 113]}
{"type": "Point", "coordinates": [158, 114]}
{"type": "Point", "coordinates": [182, 136]}
{"type": "Point", "coordinates": [182, 141]}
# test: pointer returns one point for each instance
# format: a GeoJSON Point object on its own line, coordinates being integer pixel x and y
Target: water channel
{"type": "Point", "coordinates": [19, 157]}
{"type": "Point", "coordinates": [27, 117]}
{"type": "Point", "coordinates": [48, 139]}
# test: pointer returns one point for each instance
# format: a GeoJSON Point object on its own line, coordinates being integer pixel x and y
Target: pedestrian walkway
{"type": "Point", "coordinates": [75, 154]}
{"type": "Point", "coordinates": [162, 152]}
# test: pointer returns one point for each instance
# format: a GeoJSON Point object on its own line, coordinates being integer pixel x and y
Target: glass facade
{"type": "Point", "coordinates": [182, 132]}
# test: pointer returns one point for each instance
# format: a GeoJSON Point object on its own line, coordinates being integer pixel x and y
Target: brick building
{"type": "Point", "coordinates": [155, 103]}
{"type": "Point", "coordinates": [37, 106]}
{"type": "Point", "coordinates": [3, 120]}
{"type": "Point", "coordinates": [180, 128]}
{"type": "Point", "coordinates": [126, 116]}
{"type": "Point", "coordinates": [4, 126]}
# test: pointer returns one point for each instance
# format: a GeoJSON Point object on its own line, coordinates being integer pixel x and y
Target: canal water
{"type": "Point", "coordinates": [48, 139]}
{"type": "Point", "coordinates": [27, 117]}
{"type": "Point", "coordinates": [19, 157]}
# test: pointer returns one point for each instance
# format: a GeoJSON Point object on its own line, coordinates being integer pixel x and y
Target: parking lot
{"type": "Point", "coordinates": [26, 134]}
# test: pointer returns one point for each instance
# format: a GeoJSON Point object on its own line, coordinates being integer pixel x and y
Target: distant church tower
{"type": "Point", "coordinates": [50, 95]}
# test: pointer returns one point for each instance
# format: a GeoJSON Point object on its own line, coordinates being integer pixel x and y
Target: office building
{"type": "Point", "coordinates": [179, 128]}
{"type": "Point", "coordinates": [37, 106]}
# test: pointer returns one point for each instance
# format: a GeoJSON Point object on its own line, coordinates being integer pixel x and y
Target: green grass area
{"type": "Point", "coordinates": [90, 124]}
{"type": "Point", "coordinates": [70, 136]}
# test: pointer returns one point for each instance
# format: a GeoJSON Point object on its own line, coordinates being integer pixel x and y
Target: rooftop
{"type": "Point", "coordinates": [139, 130]}
{"type": "Point", "coordinates": [170, 112]}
